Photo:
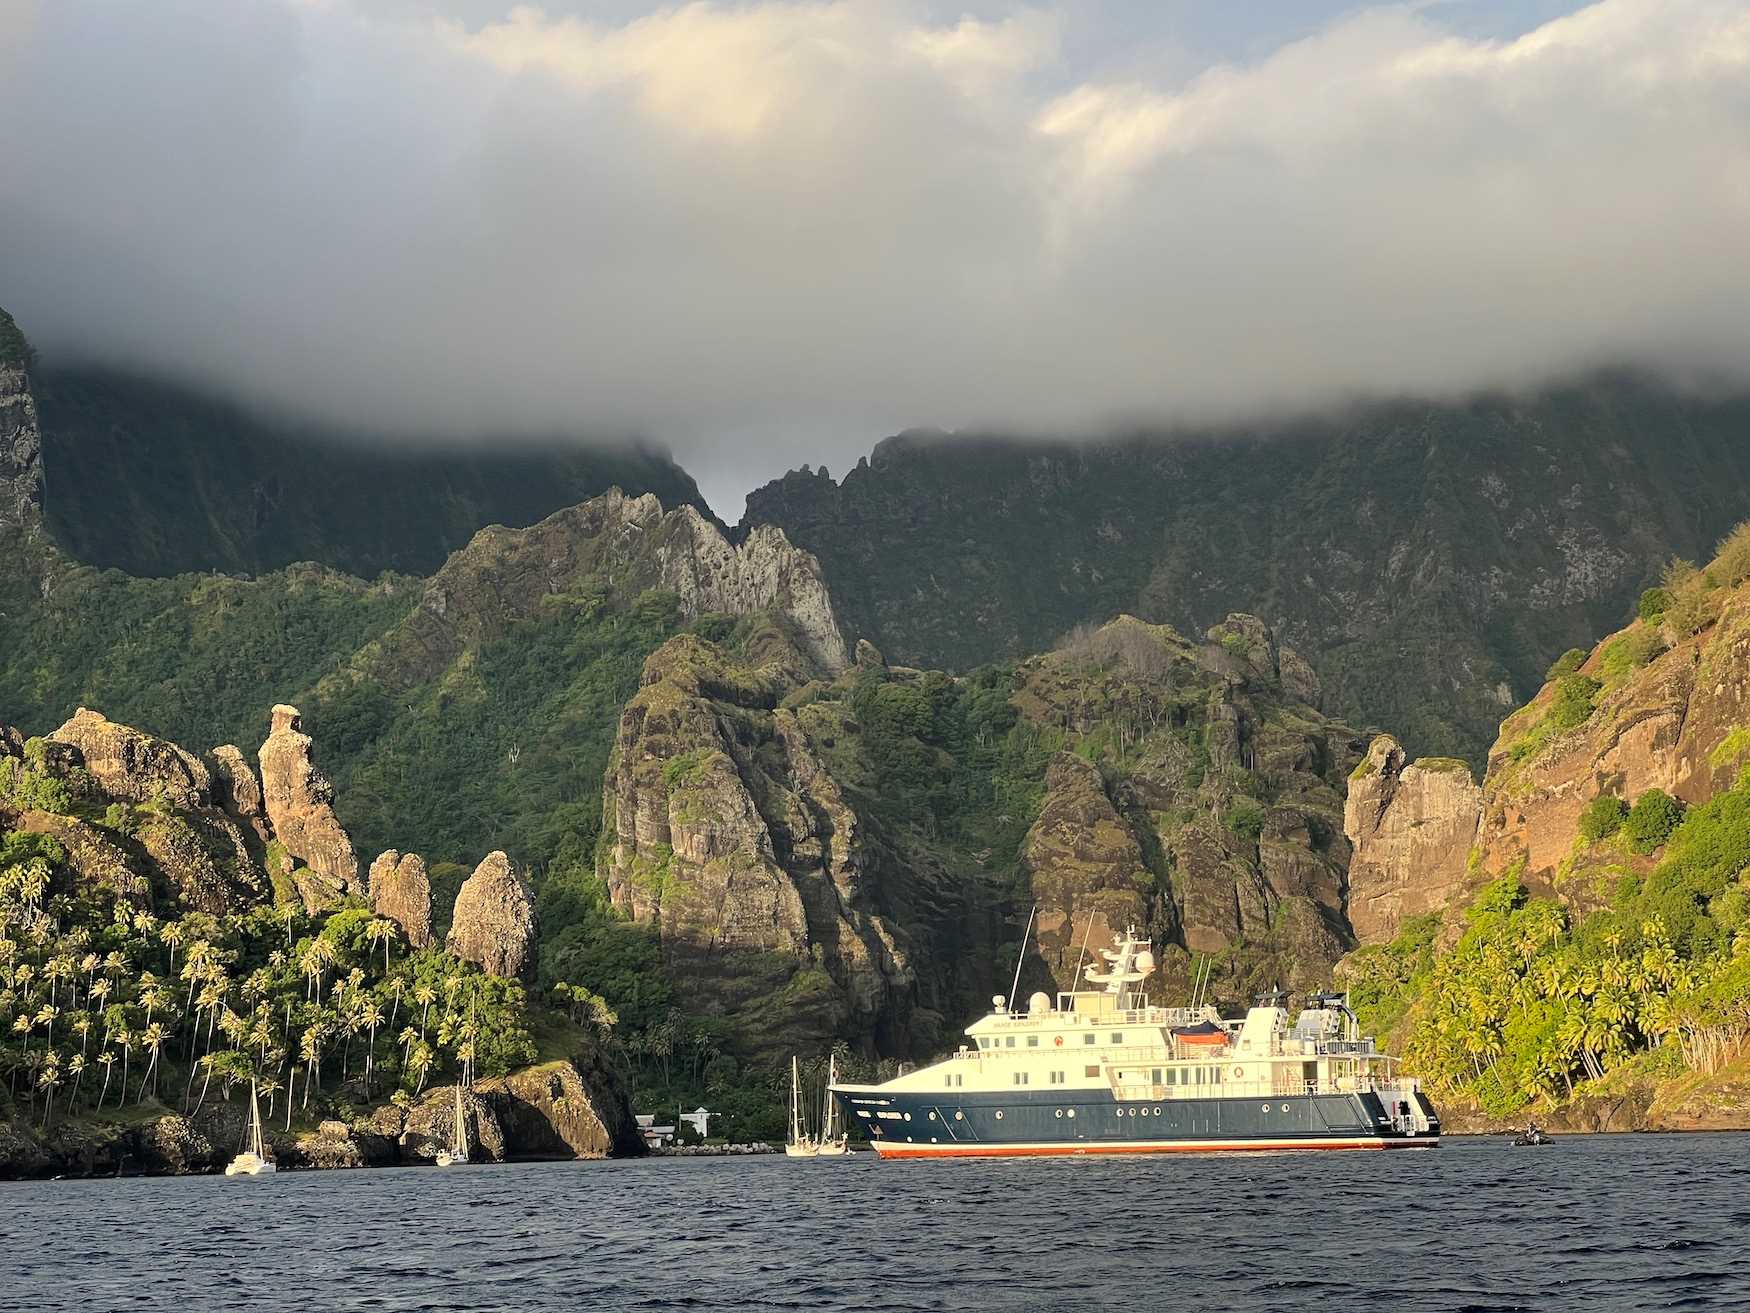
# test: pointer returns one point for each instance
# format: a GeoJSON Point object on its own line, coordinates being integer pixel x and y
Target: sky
{"type": "Point", "coordinates": [766, 234]}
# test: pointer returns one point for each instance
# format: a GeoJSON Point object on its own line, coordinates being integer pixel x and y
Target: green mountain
{"type": "Point", "coordinates": [1428, 560]}
{"type": "Point", "coordinates": [153, 479]}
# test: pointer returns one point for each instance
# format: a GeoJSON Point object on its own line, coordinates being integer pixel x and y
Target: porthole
{"type": "Point", "coordinates": [1060, 1112]}
{"type": "Point", "coordinates": [1157, 1112]}
{"type": "Point", "coordinates": [1133, 1112]}
{"type": "Point", "coordinates": [999, 1114]}
{"type": "Point", "coordinates": [959, 1116]}
{"type": "Point", "coordinates": [908, 1116]}
{"type": "Point", "coordinates": [1266, 1107]}
{"type": "Point", "coordinates": [1072, 1112]}
{"type": "Point", "coordinates": [932, 1116]}
{"type": "Point", "coordinates": [1285, 1107]}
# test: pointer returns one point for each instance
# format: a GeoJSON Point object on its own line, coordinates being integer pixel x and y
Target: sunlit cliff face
{"type": "Point", "coordinates": [836, 219]}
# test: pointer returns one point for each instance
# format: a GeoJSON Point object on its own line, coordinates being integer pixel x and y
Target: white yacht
{"type": "Point", "coordinates": [1103, 1071]}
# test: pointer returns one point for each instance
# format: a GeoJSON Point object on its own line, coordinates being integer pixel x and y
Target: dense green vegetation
{"type": "Point", "coordinates": [1534, 1000]}
{"type": "Point", "coordinates": [199, 659]}
{"type": "Point", "coordinates": [507, 751]}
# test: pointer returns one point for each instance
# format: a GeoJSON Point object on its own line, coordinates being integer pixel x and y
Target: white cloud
{"type": "Point", "coordinates": [816, 222]}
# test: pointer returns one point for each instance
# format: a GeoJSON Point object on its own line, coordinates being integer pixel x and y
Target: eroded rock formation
{"type": "Point", "coordinates": [299, 801]}
{"type": "Point", "coordinates": [400, 890]}
{"type": "Point", "coordinates": [136, 766]}
{"type": "Point", "coordinates": [493, 925]}
{"type": "Point", "coordinates": [1412, 826]}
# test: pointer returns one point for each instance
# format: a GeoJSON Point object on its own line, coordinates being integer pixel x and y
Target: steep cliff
{"type": "Point", "coordinates": [1426, 559]}
{"type": "Point", "coordinates": [1412, 827]}
{"type": "Point", "coordinates": [858, 857]}
{"type": "Point", "coordinates": [21, 473]}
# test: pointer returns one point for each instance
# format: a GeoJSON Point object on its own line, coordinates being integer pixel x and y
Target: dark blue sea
{"type": "Point", "coordinates": [1606, 1222]}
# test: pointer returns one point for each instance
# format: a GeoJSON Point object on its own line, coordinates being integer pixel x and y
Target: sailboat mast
{"type": "Point", "coordinates": [826, 1102]}
{"type": "Point", "coordinates": [257, 1145]}
{"type": "Point", "coordinates": [795, 1101]}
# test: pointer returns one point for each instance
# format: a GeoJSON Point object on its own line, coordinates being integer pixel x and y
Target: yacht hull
{"type": "Point", "coordinates": [1020, 1124]}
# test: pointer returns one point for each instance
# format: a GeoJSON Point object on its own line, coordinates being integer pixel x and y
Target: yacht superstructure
{"type": "Point", "coordinates": [1104, 1071]}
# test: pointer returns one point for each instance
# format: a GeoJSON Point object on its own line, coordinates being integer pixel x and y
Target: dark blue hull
{"type": "Point", "coordinates": [959, 1124]}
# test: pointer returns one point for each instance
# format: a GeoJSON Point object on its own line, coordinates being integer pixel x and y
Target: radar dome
{"type": "Point", "coordinates": [1145, 961]}
{"type": "Point", "coordinates": [1040, 1002]}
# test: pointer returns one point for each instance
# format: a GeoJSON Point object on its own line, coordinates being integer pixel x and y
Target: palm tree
{"type": "Point", "coordinates": [372, 1016]}
{"type": "Point", "coordinates": [76, 1068]}
{"type": "Point", "coordinates": [153, 1039]}
{"type": "Point", "coordinates": [383, 931]}
{"type": "Point", "coordinates": [171, 935]}
{"type": "Point", "coordinates": [425, 996]}
{"type": "Point", "coordinates": [125, 1038]}
{"type": "Point", "coordinates": [107, 1059]}
{"type": "Point", "coordinates": [49, 1080]}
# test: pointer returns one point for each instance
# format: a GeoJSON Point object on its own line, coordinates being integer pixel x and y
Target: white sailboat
{"type": "Point", "coordinates": [457, 1154]}
{"type": "Point", "coordinates": [253, 1160]}
{"type": "Point", "coordinates": [800, 1144]}
{"type": "Point", "coordinates": [834, 1141]}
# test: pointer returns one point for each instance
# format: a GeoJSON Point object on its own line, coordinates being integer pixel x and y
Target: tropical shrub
{"type": "Point", "coordinates": [1602, 818]}
{"type": "Point", "coordinates": [1652, 819]}
{"type": "Point", "coordinates": [1653, 604]}
{"type": "Point", "coordinates": [1573, 702]}
{"type": "Point", "coordinates": [1566, 664]}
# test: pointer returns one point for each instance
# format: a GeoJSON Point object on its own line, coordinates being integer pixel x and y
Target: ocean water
{"type": "Point", "coordinates": [1604, 1222]}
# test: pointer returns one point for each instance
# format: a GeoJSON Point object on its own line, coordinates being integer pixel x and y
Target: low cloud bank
{"type": "Point", "coordinates": [773, 229]}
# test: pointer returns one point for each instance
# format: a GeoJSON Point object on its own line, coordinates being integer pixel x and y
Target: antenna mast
{"type": "Point", "coordinates": [1022, 955]}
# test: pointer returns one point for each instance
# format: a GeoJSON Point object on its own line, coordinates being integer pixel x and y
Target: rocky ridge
{"type": "Point", "coordinates": [1425, 558]}
{"type": "Point", "coordinates": [623, 546]}
{"type": "Point", "coordinates": [1664, 709]}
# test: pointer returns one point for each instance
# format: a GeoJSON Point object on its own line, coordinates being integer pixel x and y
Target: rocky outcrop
{"type": "Point", "coordinates": [133, 765]}
{"type": "Point", "coordinates": [551, 1112]}
{"type": "Point", "coordinates": [1680, 722]}
{"type": "Point", "coordinates": [94, 857]}
{"type": "Point", "coordinates": [1412, 826]}
{"type": "Point", "coordinates": [237, 790]}
{"type": "Point", "coordinates": [299, 801]}
{"type": "Point", "coordinates": [731, 835]}
{"type": "Point", "coordinates": [1215, 821]}
{"type": "Point", "coordinates": [21, 443]}
{"type": "Point", "coordinates": [493, 925]}
{"type": "Point", "coordinates": [400, 890]}
{"type": "Point", "coordinates": [616, 545]}
{"type": "Point", "coordinates": [1086, 869]}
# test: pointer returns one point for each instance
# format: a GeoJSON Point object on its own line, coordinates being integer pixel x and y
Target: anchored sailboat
{"type": "Point", "coordinates": [834, 1142]}
{"type": "Point", "coordinates": [457, 1154]}
{"type": "Point", "coordinates": [253, 1160]}
{"type": "Point", "coordinates": [801, 1144]}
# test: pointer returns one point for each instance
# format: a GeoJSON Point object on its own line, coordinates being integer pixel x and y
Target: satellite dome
{"type": "Point", "coordinates": [1038, 1003]}
{"type": "Point", "coordinates": [1145, 961]}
